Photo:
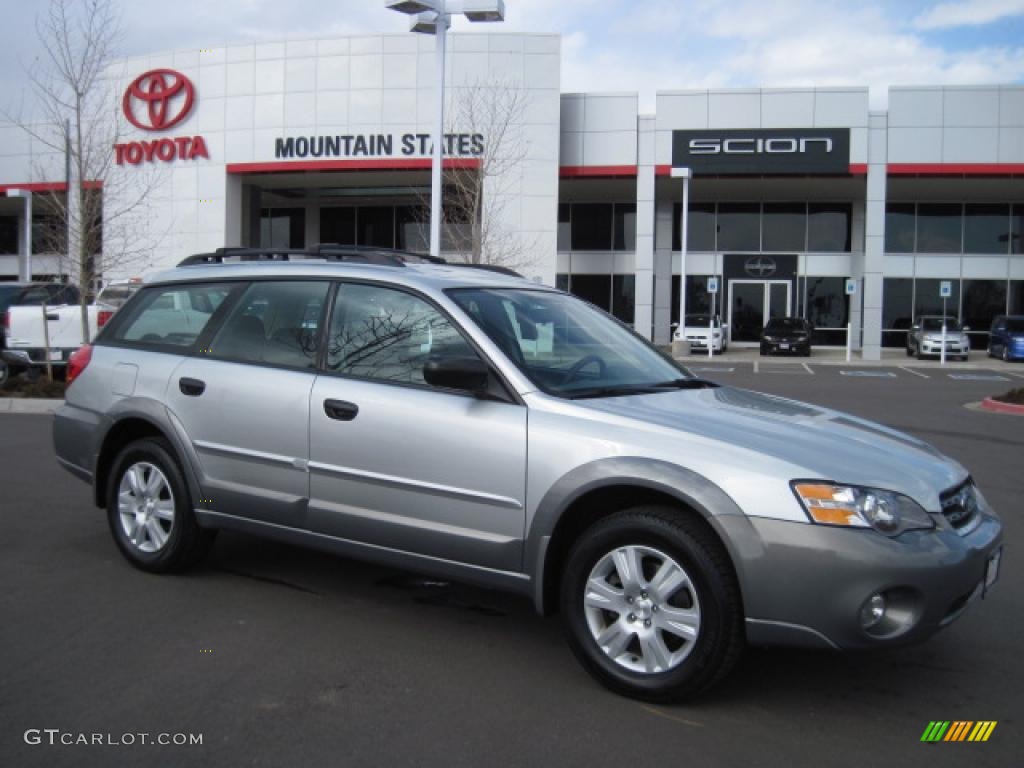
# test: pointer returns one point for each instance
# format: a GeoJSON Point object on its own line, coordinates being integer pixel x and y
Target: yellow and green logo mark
{"type": "Point", "coordinates": [958, 730]}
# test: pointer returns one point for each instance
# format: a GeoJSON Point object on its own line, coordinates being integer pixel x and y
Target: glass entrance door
{"type": "Point", "coordinates": [752, 303]}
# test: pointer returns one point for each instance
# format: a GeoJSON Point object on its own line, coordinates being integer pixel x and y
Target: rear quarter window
{"type": "Point", "coordinates": [169, 316]}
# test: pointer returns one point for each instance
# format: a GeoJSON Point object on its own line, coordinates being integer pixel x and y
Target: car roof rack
{"type": "Point", "coordinates": [354, 254]}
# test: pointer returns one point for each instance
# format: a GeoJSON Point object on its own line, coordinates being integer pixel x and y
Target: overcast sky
{"type": "Point", "coordinates": [629, 45]}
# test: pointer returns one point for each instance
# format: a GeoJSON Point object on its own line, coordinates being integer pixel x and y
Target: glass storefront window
{"type": "Point", "coordinates": [1017, 229]}
{"type": "Point", "coordinates": [8, 234]}
{"type": "Point", "coordinates": [282, 227]}
{"type": "Point", "coordinates": [826, 303]}
{"type": "Point", "coordinates": [564, 229]}
{"type": "Point", "coordinates": [785, 227]}
{"type": "Point", "coordinates": [412, 228]}
{"type": "Point", "coordinates": [562, 281]}
{"type": "Point", "coordinates": [828, 227]}
{"type": "Point", "coordinates": [983, 300]}
{"type": "Point", "coordinates": [591, 226]}
{"type": "Point", "coordinates": [739, 227]}
{"type": "Point", "coordinates": [927, 300]}
{"type": "Point", "coordinates": [375, 225]}
{"type": "Point", "coordinates": [338, 225]}
{"type": "Point", "coordinates": [939, 228]}
{"type": "Point", "coordinates": [624, 297]}
{"type": "Point", "coordinates": [897, 310]}
{"type": "Point", "coordinates": [899, 227]}
{"type": "Point", "coordinates": [700, 233]}
{"type": "Point", "coordinates": [597, 289]}
{"type": "Point", "coordinates": [1016, 297]}
{"type": "Point", "coordinates": [624, 227]}
{"type": "Point", "coordinates": [986, 228]}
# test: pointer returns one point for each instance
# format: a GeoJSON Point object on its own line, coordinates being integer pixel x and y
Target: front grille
{"type": "Point", "coordinates": [960, 505]}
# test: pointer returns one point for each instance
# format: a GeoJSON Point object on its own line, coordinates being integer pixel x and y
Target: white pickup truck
{"type": "Point", "coordinates": [50, 312]}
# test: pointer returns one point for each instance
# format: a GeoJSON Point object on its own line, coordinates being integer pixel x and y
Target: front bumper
{"type": "Point", "coordinates": [952, 348]}
{"type": "Point", "coordinates": [701, 343]}
{"type": "Point", "coordinates": [804, 584]}
{"type": "Point", "coordinates": [786, 347]}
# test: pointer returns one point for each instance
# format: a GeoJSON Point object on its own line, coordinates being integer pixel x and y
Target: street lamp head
{"type": "Point", "coordinates": [425, 23]}
{"type": "Point", "coordinates": [484, 10]}
{"type": "Point", "coordinates": [412, 7]}
{"type": "Point", "coordinates": [681, 173]}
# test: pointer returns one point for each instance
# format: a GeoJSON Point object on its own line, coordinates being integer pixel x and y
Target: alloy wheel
{"type": "Point", "coordinates": [146, 507]}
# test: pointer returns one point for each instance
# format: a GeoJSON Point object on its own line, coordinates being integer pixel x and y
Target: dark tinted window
{"type": "Point", "coordinates": [412, 228]}
{"type": "Point", "coordinates": [275, 323]}
{"type": "Point", "coordinates": [739, 227]}
{"type": "Point", "coordinates": [625, 227]}
{"type": "Point", "coordinates": [828, 227]}
{"type": "Point", "coordinates": [1015, 325]}
{"type": "Point", "coordinates": [1016, 297]}
{"type": "Point", "coordinates": [282, 227]}
{"type": "Point", "coordinates": [172, 315]}
{"type": "Point", "coordinates": [939, 228]}
{"type": "Point", "coordinates": [591, 226]}
{"type": "Point", "coordinates": [700, 233]}
{"type": "Point", "coordinates": [564, 227]}
{"type": "Point", "coordinates": [786, 324]}
{"type": "Point", "coordinates": [986, 228]}
{"type": "Point", "coordinates": [376, 226]}
{"type": "Point", "coordinates": [597, 289]}
{"type": "Point", "coordinates": [931, 324]}
{"type": "Point", "coordinates": [927, 300]}
{"type": "Point", "coordinates": [785, 227]}
{"type": "Point", "coordinates": [827, 305]}
{"type": "Point", "coordinates": [899, 227]}
{"type": "Point", "coordinates": [338, 225]}
{"type": "Point", "coordinates": [623, 297]}
{"type": "Point", "coordinates": [983, 301]}
{"type": "Point", "coordinates": [388, 335]}
{"type": "Point", "coordinates": [8, 234]}
{"type": "Point", "coordinates": [1017, 229]}
{"type": "Point", "coordinates": [897, 310]}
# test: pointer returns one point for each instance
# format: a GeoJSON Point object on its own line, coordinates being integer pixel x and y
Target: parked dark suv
{"type": "Point", "coordinates": [789, 335]}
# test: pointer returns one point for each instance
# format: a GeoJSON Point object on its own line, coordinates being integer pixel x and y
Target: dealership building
{"type": "Point", "coordinates": [802, 201]}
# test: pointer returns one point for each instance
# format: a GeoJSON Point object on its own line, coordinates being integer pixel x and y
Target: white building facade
{"type": "Point", "coordinates": [797, 197]}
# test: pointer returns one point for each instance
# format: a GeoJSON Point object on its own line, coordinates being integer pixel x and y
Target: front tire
{"type": "Point", "coordinates": [650, 604]}
{"type": "Point", "coordinates": [149, 509]}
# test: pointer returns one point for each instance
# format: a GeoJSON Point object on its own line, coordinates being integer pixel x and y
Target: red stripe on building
{"type": "Point", "coordinates": [956, 169]}
{"type": "Point", "coordinates": [48, 186]}
{"type": "Point", "coordinates": [383, 164]}
{"type": "Point", "coordinates": [589, 171]}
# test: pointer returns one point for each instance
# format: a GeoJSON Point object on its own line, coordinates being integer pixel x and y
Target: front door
{"type": "Point", "coordinates": [752, 303]}
{"type": "Point", "coordinates": [397, 463]}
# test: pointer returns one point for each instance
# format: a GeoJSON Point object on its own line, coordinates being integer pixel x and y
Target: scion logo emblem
{"type": "Point", "coordinates": [760, 266]}
{"type": "Point", "coordinates": [158, 99]}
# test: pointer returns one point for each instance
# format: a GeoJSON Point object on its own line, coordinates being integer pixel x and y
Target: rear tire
{"type": "Point", "coordinates": [149, 509]}
{"type": "Point", "coordinates": [672, 627]}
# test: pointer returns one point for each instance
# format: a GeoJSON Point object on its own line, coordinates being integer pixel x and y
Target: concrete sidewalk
{"type": "Point", "coordinates": [29, 405]}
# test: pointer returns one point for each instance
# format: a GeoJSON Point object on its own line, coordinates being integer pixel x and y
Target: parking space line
{"type": "Point", "coordinates": [805, 365]}
{"type": "Point", "coordinates": [1013, 373]}
{"type": "Point", "coordinates": [977, 377]}
{"type": "Point", "coordinates": [916, 373]}
{"type": "Point", "coordinates": [755, 367]}
{"type": "Point", "coordinates": [714, 370]}
{"type": "Point", "coordinates": [874, 374]}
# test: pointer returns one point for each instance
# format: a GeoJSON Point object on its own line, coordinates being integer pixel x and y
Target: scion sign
{"type": "Point", "coordinates": [767, 152]}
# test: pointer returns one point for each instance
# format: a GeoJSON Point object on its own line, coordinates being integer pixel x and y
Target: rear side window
{"type": "Point", "coordinates": [275, 323]}
{"type": "Point", "coordinates": [387, 335]}
{"type": "Point", "coordinates": [170, 316]}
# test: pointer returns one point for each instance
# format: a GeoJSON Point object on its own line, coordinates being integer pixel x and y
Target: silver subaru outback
{"type": "Point", "coordinates": [474, 426]}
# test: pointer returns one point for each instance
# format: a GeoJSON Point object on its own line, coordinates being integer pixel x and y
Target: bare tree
{"type": "Point", "coordinates": [73, 118]}
{"type": "Point", "coordinates": [476, 198]}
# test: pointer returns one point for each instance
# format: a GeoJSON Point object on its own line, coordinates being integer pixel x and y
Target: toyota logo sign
{"type": "Point", "coordinates": [760, 266]}
{"type": "Point", "coordinates": [158, 99]}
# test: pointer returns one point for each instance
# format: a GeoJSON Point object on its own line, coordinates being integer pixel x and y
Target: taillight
{"type": "Point", "coordinates": [102, 317]}
{"type": "Point", "coordinates": [77, 362]}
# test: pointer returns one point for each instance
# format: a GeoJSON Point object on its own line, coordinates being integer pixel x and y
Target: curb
{"type": "Point", "coordinates": [29, 405]}
{"type": "Point", "coordinates": [988, 404]}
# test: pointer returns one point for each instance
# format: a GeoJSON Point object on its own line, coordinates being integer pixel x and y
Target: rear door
{"type": "Point", "coordinates": [397, 463]}
{"type": "Point", "coordinates": [244, 401]}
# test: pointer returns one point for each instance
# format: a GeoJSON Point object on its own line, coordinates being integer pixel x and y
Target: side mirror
{"type": "Point", "coordinates": [469, 374]}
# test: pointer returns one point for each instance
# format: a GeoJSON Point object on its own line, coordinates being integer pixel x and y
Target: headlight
{"type": "Point", "coordinates": [846, 505]}
{"type": "Point", "coordinates": [769, 338]}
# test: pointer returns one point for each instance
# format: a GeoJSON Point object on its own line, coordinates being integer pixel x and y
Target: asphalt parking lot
{"type": "Point", "coordinates": [279, 656]}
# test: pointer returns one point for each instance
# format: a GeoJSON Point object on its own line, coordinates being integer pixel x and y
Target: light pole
{"type": "Point", "coordinates": [25, 264]}
{"type": "Point", "coordinates": [684, 174]}
{"type": "Point", "coordinates": [433, 17]}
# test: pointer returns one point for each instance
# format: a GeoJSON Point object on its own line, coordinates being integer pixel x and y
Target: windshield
{"type": "Point", "coordinates": [7, 294]}
{"type": "Point", "coordinates": [1013, 325]}
{"type": "Point", "coordinates": [935, 324]}
{"type": "Point", "coordinates": [704, 320]}
{"type": "Point", "coordinates": [785, 324]}
{"type": "Point", "coordinates": [565, 346]}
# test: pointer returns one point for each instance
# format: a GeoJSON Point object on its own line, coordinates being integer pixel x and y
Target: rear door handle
{"type": "Point", "coordinates": [191, 387]}
{"type": "Point", "coordinates": [342, 410]}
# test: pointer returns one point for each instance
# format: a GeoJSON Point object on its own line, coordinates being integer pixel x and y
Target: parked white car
{"type": "Point", "coordinates": [699, 328]}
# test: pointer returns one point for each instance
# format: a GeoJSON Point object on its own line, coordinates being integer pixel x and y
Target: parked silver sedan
{"type": "Point", "coordinates": [926, 338]}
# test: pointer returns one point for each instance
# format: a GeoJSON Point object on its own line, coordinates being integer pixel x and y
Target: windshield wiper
{"type": "Point", "coordinates": [686, 384]}
{"type": "Point", "coordinates": [646, 389]}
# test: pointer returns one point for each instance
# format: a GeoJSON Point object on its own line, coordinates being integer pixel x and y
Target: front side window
{"type": "Point", "coordinates": [170, 315]}
{"type": "Point", "coordinates": [276, 323]}
{"type": "Point", "coordinates": [386, 334]}
{"type": "Point", "coordinates": [565, 346]}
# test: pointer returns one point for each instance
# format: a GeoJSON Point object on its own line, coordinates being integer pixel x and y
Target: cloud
{"type": "Point", "coordinates": [968, 13]}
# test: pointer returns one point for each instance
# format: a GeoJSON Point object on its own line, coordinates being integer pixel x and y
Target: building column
{"type": "Point", "coordinates": [857, 272]}
{"type": "Point", "coordinates": [643, 319]}
{"type": "Point", "coordinates": [234, 205]}
{"type": "Point", "coordinates": [874, 236]}
{"type": "Point", "coordinates": [663, 272]}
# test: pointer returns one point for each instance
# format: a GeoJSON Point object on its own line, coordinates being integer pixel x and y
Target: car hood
{"type": "Point", "coordinates": [818, 442]}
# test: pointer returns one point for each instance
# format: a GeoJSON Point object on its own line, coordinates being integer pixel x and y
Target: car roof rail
{"type": "Point", "coordinates": [360, 254]}
{"type": "Point", "coordinates": [487, 267]}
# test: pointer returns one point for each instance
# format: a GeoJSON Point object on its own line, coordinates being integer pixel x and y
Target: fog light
{"type": "Point", "coordinates": [872, 611]}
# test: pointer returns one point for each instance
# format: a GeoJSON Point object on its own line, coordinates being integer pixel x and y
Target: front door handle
{"type": "Point", "coordinates": [342, 410]}
{"type": "Point", "coordinates": [191, 387]}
